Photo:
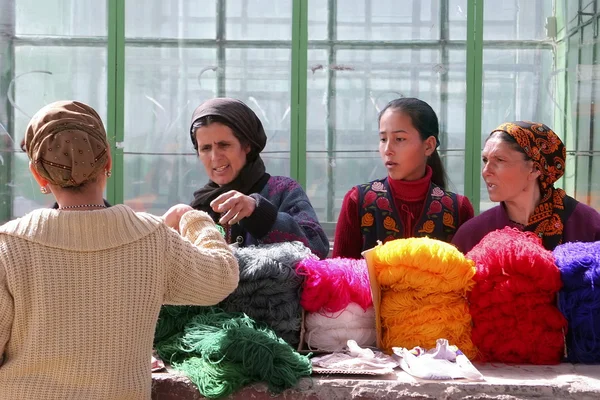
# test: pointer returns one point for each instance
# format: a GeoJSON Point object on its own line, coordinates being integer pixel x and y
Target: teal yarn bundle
{"type": "Point", "coordinates": [269, 287]}
{"type": "Point", "coordinates": [221, 352]}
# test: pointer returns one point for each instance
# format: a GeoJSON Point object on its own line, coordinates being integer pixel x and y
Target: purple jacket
{"type": "Point", "coordinates": [583, 225]}
{"type": "Point", "coordinates": [283, 213]}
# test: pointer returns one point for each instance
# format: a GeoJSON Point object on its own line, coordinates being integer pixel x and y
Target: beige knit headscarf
{"type": "Point", "coordinates": [66, 143]}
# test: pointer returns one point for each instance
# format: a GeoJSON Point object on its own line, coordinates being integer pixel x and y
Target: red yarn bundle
{"type": "Point", "coordinates": [513, 303]}
{"type": "Point", "coordinates": [331, 284]}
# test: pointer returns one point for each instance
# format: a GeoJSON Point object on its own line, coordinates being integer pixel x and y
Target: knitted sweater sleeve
{"type": "Point", "coordinates": [6, 312]}
{"type": "Point", "coordinates": [202, 269]}
{"type": "Point", "coordinates": [348, 238]}
{"type": "Point", "coordinates": [288, 216]}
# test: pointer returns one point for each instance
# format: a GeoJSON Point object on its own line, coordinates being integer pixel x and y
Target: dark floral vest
{"type": "Point", "coordinates": [379, 216]}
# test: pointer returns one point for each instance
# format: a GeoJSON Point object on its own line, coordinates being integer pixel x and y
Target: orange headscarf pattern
{"type": "Point", "coordinates": [548, 154]}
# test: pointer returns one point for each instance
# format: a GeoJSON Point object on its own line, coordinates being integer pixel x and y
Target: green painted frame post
{"type": "Point", "coordinates": [7, 73]}
{"type": "Point", "coordinates": [474, 101]}
{"type": "Point", "coordinates": [116, 97]}
{"type": "Point", "coordinates": [298, 91]}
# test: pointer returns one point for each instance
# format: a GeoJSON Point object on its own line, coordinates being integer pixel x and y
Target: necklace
{"type": "Point", "coordinates": [83, 206]}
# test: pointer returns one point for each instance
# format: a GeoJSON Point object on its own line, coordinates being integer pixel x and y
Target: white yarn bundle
{"type": "Point", "coordinates": [331, 332]}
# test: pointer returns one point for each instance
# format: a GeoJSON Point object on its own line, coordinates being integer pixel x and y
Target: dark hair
{"type": "Point", "coordinates": [426, 123]}
{"type": "Point", "coordinates": [505, 137]}
{"type": "Point", "coordinates": [210, 119]}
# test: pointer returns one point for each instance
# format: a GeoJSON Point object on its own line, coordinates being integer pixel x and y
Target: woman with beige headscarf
{"type": "Point", "coordinates": [81, 286]}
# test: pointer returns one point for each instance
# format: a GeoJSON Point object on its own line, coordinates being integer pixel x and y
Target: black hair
{"type": "Point", "coordinates": [425, 121]}
{"type": "Point", "coordinates": [210, 119]}
{"type": "Point", "coordinates": [508, 139]}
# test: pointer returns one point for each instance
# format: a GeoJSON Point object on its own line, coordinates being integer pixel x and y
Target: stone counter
{"type": "Point", "coordinates": [564, 381]}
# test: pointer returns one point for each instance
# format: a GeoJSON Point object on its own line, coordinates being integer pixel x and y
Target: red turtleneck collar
{"type": "Point", "coordinates": [410, 191]}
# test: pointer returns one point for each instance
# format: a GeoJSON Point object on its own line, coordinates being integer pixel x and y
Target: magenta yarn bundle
{"type": "Point", "coordinates": [331, 284]}
{"type": "Point", "coordinates": [337, 295]}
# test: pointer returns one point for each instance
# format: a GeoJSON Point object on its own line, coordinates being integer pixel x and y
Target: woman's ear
{"type": "Point", "coordinates": [430, 145]}
{"type": "Point", "coordinates": [108, 164]}
{"type": "Point", "coordinates": [41, 181]}
{"type": "Point", "coordinates": [535, 173]}
{"type": "Point", "coordinates": [247, 149]}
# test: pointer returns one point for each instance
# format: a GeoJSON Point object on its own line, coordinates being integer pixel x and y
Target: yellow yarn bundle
{"type": "Point", "coordinates": [423, 287]}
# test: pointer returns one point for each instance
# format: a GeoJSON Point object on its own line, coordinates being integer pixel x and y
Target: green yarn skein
{"type": "Point", "coordinates": [221, 352]}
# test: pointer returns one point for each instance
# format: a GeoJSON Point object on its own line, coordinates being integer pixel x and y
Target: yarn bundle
{"type": "Point", "coordinates": [579, 299]}
{"type": "Point", "coordinates": [515, 319]}
{"type": "Point", "coordinates": [221, 352]}
{"type": "Point", "coordinates": [423, 286]}
{"type": "Point", "coordinates": [269, 288]}
{"type": "Point", "coordinates": [337, 296]}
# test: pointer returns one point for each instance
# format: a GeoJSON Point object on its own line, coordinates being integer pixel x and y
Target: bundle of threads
{"type": "Point", "coordinates": [221, 352]}
{"type": "Point", "coordinates": [269, 288]}
{"type": "Point", "coordinates": [423, 286]}
{"type": "Point", "coordinates": [337, 296]}
{"type": "Point", "coordinates": [579, 299]}
{"type": "Point", "coordinates": [513, 303]}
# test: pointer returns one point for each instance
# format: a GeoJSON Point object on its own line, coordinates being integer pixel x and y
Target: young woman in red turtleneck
{"type": "Point", "coordinates": [412, 200]}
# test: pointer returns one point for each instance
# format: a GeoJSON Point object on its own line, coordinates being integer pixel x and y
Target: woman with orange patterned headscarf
{"type": "Point", "coordinates": [521, 162]}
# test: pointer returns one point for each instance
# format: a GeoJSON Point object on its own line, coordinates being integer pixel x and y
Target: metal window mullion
{"type": "Point", "coordinates": [578, 95]}
{"type": "Point", "coordinates": [474, 100]}
{"type": "Point", "coordinates": [221, 35]}
{"type": "Point", "coordinates": [298, 91]}
{"type": "Point", "coordinates": [415, 54]}
{"type": "Point", "coordinates": [444, 72]}
{"type": "Point", "coordinates": [331, 108]}
{"type": "Point", "coordinates": [116, 97]}
{"type": "Point", "coordinates": [592, 111]}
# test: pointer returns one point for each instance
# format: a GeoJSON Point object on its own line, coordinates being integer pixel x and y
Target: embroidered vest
{"type": "Point", "coordinates": [379, 216]}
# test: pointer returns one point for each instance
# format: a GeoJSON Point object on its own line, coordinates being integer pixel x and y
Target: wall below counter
{"type": "Point", "coordinates": [506, 382]}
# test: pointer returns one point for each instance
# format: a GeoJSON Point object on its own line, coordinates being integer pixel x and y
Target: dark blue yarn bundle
{"type": "Point", "coordinates": [579, 300]}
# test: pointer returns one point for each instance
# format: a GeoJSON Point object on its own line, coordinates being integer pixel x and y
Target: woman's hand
{"type": "Point", "coordinates": [234, 206]}
{"type": "Point", "coordinates": [174, 214]}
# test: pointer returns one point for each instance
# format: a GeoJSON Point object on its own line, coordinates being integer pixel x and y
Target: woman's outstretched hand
{"type": "Point", "coordinates": [234, 206]}
{"type": "Point", "coordinates": [174, 214]}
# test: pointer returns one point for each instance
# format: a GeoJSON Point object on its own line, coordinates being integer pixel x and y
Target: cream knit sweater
{"type": "Point", "coordinates": [80, 293]}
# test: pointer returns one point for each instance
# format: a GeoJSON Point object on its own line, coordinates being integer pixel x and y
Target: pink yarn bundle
{"type": "Point", "coordinates": [331, 284]}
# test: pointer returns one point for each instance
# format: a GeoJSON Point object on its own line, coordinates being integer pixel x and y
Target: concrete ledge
{"type": "Point", "coordinates": [564, 381]}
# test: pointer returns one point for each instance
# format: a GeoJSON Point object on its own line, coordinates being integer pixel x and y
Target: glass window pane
{"type": "Point", "coordinates": [518, 78]}
{"type": "Point", "coordinates": [163, 85]}
{"type": "Point", "coordinates": [259, 19]}
{"type": "Point", "coordinates": [61, 17]}
{"type": "Point", "coordinates": [516, 19]}
{"type": "Point", "coordinates": [261, 78]}
{"type": "Point", "coordinates": [347, 86]}
{"type": "Point", "coordinates": [317, 20]}
{"type": "Point", "coordinates": [44, 75]}
{"type": "Point", "coordinates": [155, 182]}
{"type": "Point", "coordinates": [387, 20]}
{"type": "Point", "coordinates": [171, 19]}
{"type": "Point", "coordinates": [165, 81]}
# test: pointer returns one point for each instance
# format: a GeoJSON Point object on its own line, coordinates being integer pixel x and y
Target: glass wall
{"type": "Point", "coordinates": [49, 51]}
{"type": "Point", "coordinates": [177, 55]}
{"type": "Point", "coordinates": [538, 61]}
{"type": "Point", "coordinates": [518, 62]}
{"type": "Point", "coordinates": [362, 54]}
